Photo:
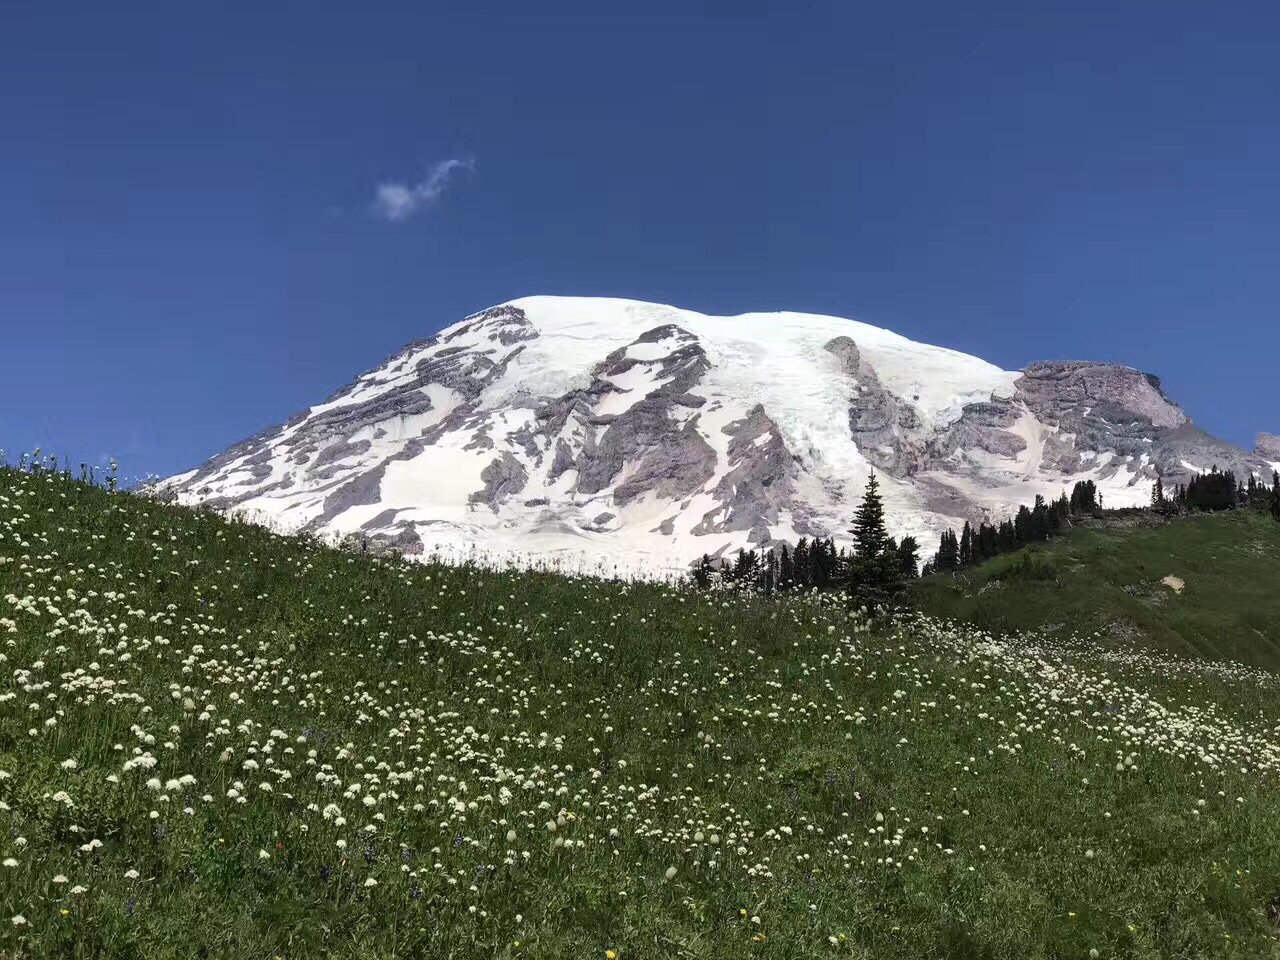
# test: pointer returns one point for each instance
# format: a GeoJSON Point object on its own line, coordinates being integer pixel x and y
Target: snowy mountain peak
{"type": "Point", "coordinates": [615, 434]}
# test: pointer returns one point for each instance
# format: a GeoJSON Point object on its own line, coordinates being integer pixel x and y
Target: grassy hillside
{"type": "Point", "coordinates": [1111, 581]}
{"type": "Point", "coordinates": [215, 742]}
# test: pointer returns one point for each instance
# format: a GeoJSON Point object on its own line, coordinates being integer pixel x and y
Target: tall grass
{"type": "Point", "coordinates": [220, 742]}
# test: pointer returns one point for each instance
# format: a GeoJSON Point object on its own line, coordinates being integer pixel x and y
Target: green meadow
{"type": "Point", "coordinates": [220, 742]}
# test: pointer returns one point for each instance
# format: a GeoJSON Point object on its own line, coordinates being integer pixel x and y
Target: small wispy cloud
{"type": "Point", "coordinates": [397, 201]}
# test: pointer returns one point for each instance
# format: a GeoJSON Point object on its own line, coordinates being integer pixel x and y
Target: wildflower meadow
{"type": "Point", "coordinates": [216, 741]}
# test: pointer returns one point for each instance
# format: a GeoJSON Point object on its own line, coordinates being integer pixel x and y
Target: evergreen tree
{"type": "Point", "coordinates": [819, 567]}
{"type": "Point", "coordinates": [702, 574]}
{"type": "Point", "coordinates": [1256, 494]}
{"type": "Point", "coordinates": [786, 570]}
{"type": "Point", "coordinates": [744, 569]}
{"type": "Point", "coordinates": [1063, 511]}
{"type": "Point", "coordinates": [948, 556]}
{"type": "Point", "coordinates": [875, 575]}
{"type": "Point", "coordinates": [1212, 491]}
{"type": "Point", "coordinates": [1022, 524]}
{"type": "Point", "coordinates": [800, 563]}
{"type": "Point", "coordinates": [769, 573]}
{"type": "Point", "coordinates": [835, 564]}
{"type": "Point", "coordinates": [909, 557]}
{"type": "Point", "coordinates": [1008, 537]}
{"type": "Point", "coordinates": [869, 534]}
{"type": "Point", "coordinates": [1040, 520]}
{"type": "Point", "coordinates": [1275, 494]}
{"type": "Point", "coordinates": [966, 545]}
{"type": "Point", "coordinates": [988, 543]}
{"type": "Point", "coordinates": [1084, 497]}
{"type": "Point", "coordinates": [1157, 494]}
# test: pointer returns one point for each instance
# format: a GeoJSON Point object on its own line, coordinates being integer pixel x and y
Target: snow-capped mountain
{"type": "Point", "coordinates": [614, 434]}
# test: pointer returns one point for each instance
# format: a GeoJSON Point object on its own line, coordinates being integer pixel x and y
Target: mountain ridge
{"type": "Point", "coordinates": [605, 433]}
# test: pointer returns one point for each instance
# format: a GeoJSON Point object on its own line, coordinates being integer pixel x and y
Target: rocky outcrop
{"type": "Point", "coordinates": [885, 428]}
{"type": "Point", "coordinates": [672, 461]}
{"type": "Point", "coordinates": [1105, 418]}
{"type": "Point", "coordinates": [661, 449]}
{"type": "Point", "coordinates": [981, 427]}
{"type": "Point", "coordinates": [325, 463]}
{"type": "Point", "coordinates": [503, 479]}
{"type": "Point", "coordinates": [759, 484]}
{"type": "Point", "coordinates": [363, 489]}
{"type": "Point", "coordinates": [504, 325]}
{"type": "Point", "coordinates": [1181, 453]}
{"type": "Point", "coordinates": [404, 540]}
{"type": "Point", "coordinates": [1101, 409]}
{"type": "Point", "coordinates": [1268, 447]}
{"type": "Point", "coordinates": [1097, 392]}
{"type": "Point", "coordinates": [394, 391]}
{"type": "Point", "coordinates": [1095, 409]}
{"type": "Point", "coordinates": [678, 370]}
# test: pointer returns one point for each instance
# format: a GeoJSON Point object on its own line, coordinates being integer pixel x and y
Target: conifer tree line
{"type": "Point", "coordinates": [873, 572]}
{"type": "Point", "coordinates": [1215, 491]}
{"type": "Point", "coordinates": [1210, 491]}
{"type": "Point", "coordinates": [1033, 524]}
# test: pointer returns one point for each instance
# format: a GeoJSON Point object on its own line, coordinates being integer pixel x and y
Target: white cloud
{"type": "Point", "coordinates": [398, 202]}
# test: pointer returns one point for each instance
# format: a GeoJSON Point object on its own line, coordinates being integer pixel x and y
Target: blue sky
{"type": "Point", "coordinates": [214, 215]}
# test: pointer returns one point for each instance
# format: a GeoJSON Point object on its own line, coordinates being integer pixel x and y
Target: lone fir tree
{"type": "Point", "coordinates": [870, 537]}
{"type": "Point", "coordinates": [876, 571]}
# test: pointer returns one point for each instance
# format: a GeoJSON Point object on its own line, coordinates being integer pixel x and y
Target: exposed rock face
{"type": "Point", "coordinates": [982, 427]}
{"type": "Point", "coordinates": [324, 436]}
{"type": "Point", "coordinates": [759, 484]}
{"type": "Point", "coordinates": [621, 435]}
{"type": "Point", "coordinates": [1188, 450]}
{"type": "Point", "coordinates": [1113, 421]}
{"type": "Point", "coordinates": [886, 429]}
{"type": "Point", "coordinates": [667, 453]}
{"type": "Point", "coordinates": [1094, 409]}
{"type": "Point", "coordinates": [503, 479]}
{"type": "Point", "coordinates": [1097, 392]}
{"type": "Point", "coordinates": [1268, 447]}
